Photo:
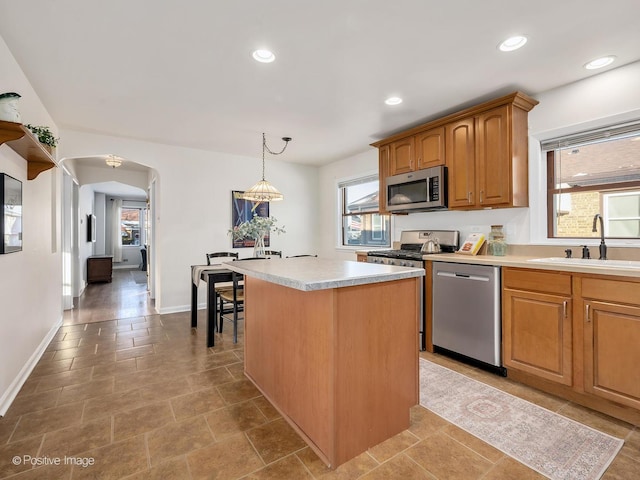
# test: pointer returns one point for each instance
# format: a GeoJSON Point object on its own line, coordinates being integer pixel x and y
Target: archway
{"type": "Point", "coordinates": [90, 189]}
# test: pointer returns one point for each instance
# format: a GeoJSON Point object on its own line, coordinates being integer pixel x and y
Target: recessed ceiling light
{"type": "Point", "coordinates": [513, 43]}
{"type": "Point", "coordinates": [600, 62]}
{"type": "Point", "coordinates": [264, 56]}
{"type": "Point", "coordinates": [393, 101]}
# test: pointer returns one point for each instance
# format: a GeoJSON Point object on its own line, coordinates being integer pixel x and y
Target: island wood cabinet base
{"type": "Point", "coordinates": [340, 365]}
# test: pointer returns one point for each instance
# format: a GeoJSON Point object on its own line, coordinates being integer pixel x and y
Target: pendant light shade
{"type": "Point", "coordinates": [263, 191]}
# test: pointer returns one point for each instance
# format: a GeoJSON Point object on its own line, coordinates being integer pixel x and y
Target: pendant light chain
{"type": "Point", "coordinates": [263, 191]}
{"type": "Point", "coordinates": [266, 147]}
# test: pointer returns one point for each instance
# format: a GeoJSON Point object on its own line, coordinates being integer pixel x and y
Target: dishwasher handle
{"type": "Point", "coordinates": [463, 276]}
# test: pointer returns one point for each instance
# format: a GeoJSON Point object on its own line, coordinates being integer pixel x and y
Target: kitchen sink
{"type": "Point", "coordinates": [591, 262]}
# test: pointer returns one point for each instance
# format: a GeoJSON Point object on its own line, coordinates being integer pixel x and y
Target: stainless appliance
{"type": "Point", "coordinates": [466, 311]}
{"type": "Point", "coordinates": [415, 245]}
{"type": "Point", "coordinates": [417, 191]}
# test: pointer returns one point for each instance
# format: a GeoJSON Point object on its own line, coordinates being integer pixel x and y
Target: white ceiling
{"type": "Point", "coordinates": [180, 71]}
{"type": "Point", "coordinates": [120, 190]}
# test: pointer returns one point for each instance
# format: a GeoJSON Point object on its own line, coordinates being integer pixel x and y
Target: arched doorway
{"type": "Point", "coordinates": [117, 202]}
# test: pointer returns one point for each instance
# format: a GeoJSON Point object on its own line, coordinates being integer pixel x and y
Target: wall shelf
{"type": "Point", "coordinates": [20, 139]}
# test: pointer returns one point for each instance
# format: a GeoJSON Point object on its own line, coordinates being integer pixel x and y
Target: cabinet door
{"type": "Point", "coordinates": [383, 173]}
{"type": "Point", "coordinates": [537, 334]}
{"type": "Point", "coordinates": [493, 150]}
{"type": "Point", "coordinates": [460, 159]}
{"type": "Point", "coordinates": [430, 148]}
{"type": "Point", "coordinates": [401, 156]}
{"type": "Point", "coordinates": [612, 352]}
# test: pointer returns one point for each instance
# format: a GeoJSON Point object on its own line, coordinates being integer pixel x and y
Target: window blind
{"type": "Point", "coordinates": [358, 181]}
{"type": "Point", "coordinates": [592, 136]}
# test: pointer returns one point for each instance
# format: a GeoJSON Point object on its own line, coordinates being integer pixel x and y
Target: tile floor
{"type": "Point", "coordinates": [143, 398]}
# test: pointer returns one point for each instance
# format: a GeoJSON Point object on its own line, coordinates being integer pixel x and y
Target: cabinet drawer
{"type": "Point", "coordinates": [536, 280]}
{"type": "Point", "coordinates": [611, 290]}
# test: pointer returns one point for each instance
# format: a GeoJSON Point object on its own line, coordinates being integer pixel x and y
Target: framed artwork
{"type": "Point", "coordinates": [11, 224]}
{"type": "Point", "coordinates": [243, 211]}
{"type": "Point", "coordinates": [91, 228]}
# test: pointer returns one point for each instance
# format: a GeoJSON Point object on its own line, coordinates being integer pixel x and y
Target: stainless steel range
{"type": "Point", "coordinates": [415, 245]}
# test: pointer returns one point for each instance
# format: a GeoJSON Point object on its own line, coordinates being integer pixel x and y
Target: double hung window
{"type": "Point", "coordinates": [594, 172]}
{"type": "Point", "coordinates": [362, 224]}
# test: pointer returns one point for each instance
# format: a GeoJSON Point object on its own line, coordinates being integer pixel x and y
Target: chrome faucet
{"type": "Point", "coordinates": [603, 247]}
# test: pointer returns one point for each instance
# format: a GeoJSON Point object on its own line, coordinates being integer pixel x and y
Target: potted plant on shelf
{"type": "Point", "coordinates": [44, 135]}
{"type": "Point", "coordinates": [256, 228]}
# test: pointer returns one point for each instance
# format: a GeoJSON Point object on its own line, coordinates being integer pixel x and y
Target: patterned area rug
{"type": "Point", "coordinates": [553, 445]}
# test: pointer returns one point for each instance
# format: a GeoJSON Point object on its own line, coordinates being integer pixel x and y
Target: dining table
{"type": "Point", "coordinates": [211, 274]}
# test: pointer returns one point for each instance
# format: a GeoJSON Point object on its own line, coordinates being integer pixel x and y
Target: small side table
{"type": "Point", "coordinates": [99, 268]}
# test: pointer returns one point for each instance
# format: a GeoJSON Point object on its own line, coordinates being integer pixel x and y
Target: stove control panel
{"type": "Point", "coordinates": [398, 262]}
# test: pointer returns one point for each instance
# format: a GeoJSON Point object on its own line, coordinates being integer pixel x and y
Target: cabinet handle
{"type": "Point", "coordinates": [587, 311]}
{"type": "Point", "coordinates": [469, 197]}
{"type": "Point", "coordinates": [481, 192]}
{"type": "Point", "coordinates": [564, 309]}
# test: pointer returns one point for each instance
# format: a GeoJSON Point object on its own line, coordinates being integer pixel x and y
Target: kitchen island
{"type": "Point", "coordinates": [333, 345]}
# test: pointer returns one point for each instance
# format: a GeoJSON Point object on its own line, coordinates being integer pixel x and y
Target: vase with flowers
{"type": "Point", "coordinates": [256, 228]}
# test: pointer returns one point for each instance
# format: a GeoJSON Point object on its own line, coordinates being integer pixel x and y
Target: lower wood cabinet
{"type": "Point", "coordinates": [536, 324]}
{"type": "Point", "coordinates": [575, 335]}
{"type": "Point", "coordinates": [612, 340]}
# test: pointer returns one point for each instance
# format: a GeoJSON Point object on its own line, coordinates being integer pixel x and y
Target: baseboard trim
{"type": "Point", "coordinates": [10, 394]}
{"type": "Point", "coordinates": [180, 308]}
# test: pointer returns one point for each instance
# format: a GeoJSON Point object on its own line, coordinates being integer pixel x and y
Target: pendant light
{"type": "Point", "coordinates": [113, 161]}
{"type": "Point", "coordinates": [263, 191]}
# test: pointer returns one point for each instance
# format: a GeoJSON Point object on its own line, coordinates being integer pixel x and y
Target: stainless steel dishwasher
{"type": "Point", "coordinates": [466, 311]}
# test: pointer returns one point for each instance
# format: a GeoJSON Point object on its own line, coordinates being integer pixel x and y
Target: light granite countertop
{"type": "Point", "coordinates": [521, 256]}
{"type": "Point", "coordinates": [593, 266]}
{"type": "Point", "coordinates": [311, 273]}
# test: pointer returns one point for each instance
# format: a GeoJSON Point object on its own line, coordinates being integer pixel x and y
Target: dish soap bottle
{"type": "Point", "coordinates": [497, 244]}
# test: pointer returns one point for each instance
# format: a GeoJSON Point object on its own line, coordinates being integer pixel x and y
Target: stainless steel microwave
{"type": "Point", "coordinates": [417, 191]}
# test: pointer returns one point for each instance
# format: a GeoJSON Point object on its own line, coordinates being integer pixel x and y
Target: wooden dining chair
{"type": "Point", "coordinates": [221, 287]}
{"type": "Point", "coordinates": [235, 299]}
{"type": "Point", "coordinates": [220, 255]}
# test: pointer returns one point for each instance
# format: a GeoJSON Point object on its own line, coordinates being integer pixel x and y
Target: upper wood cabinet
{"type": "Point", "coordinates": [487, 156]}
{"type": "Point", "coordinates": [383, 173]}
{"type": "Point", "coordinates": [485, 148]}
{"type": "Point", "coordinates": [461, 161]}
{"type": "Point", "coordinates": [424, 150]}
{"type": "Point", "coordinates": [24, 144]}
{"type": "Point", "coordinates": [430, 148]}
{"type": "Point", "coordinates": [402, 156]}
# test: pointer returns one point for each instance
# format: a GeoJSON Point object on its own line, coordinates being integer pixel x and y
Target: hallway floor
{"type": "Point", "coordinates": [125, 296]}
{"type": "Point", "coordinates": [141, 397]}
